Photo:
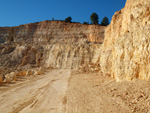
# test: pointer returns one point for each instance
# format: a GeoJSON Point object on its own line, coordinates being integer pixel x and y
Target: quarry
{"type": "Point", "coordinates": [63, 67]}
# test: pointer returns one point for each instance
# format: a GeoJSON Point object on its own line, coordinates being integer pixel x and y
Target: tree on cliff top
{"type": "Point", "coordinates": [68, 19]}
{"type": "Point", "coordinates": [85, 22]}
{"type": "Point", "coordinates": [105, 21]}
{"type": "Point", "coordinates": [94, 18]}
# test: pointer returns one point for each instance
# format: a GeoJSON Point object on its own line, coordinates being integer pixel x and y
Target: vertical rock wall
{"type": "Point", "coordinates": [55, 44]}
{"type": "Point", "coordinates": [126, 49]}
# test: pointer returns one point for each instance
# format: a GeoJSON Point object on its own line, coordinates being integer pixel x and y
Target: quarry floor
{"type": "Point", "coordinates": [66, 91]}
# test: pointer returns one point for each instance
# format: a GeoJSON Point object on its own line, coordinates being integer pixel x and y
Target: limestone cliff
{"type": "Point", "coordinates": [54, 44]}
{"type": "Point", "coordinates": [53, 32]}
{"type": "Point", "coordinates": [126, 50]}
{"type": "Point", "coordinates": [124, 54]}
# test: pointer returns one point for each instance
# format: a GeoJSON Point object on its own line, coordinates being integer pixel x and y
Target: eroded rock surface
{"type": "Point", "coordinates": [50, 44]}
{"type": "Point", "coordinates": [125, 53]}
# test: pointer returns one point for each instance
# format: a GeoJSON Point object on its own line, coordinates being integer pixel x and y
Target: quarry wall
{"type": "Point", "coordinates": [126, 50]}
{"type": "Point", "coordinates": [124, 55]}
{"type": "Point", "coordinates": [54, 44]}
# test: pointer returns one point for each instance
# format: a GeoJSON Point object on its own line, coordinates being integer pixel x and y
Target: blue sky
{"type": "Point", "coordinates": [16, 12]}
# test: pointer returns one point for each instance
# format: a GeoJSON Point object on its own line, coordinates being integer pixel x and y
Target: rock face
{"type": "Point", "coordinates": [126, 50]}
{"type": "Point", "coordinates": [54, 44]}
{"type": "Point", "coordinates": [124, 55]}
{"type": "Point", "coordinates": [72, 56]}
{"type": "Point", "coordinates": [53, 32]}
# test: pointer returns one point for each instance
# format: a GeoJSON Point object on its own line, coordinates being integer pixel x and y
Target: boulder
{"type": "Point", "coordinates": [10, 77]}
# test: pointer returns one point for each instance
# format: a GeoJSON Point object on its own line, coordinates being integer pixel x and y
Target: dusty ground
{"type": "Point", "coordinates": [92, 93]}
{"type": "Point", "coordinates": [63, 91]}
{"type": "Point", "coordinates": [39, 94]}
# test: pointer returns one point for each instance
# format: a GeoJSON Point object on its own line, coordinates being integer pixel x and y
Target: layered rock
{"type": "Point", "coordinates": [72, 56]}
{"type": "Point", "coordinates": [124, 54]}
{"type": "Point", "coordinates": [126, 48]}
{"type": "Point", "coordinates": [53, 32]}
{"type": "Point", "coordinates": [54, 44]}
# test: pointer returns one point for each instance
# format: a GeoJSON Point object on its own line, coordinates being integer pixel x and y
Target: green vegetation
{"type": "Point", "coordinates": [105, 21]}
{"type": "Point", "coordinates": [68, 19]}
{"type": "Point", "coordinates": [85, 22]}
{"type": "Point", "coordinates": [94, 18]}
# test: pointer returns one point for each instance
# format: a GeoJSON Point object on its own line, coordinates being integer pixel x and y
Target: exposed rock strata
{"type": "Point", "coordinates": [124, 54]}
{"type": "Point", "coordinates": [54, 44]}
{"type": "Point", "coordinates": [126, 48]}
{"type": "Point", "coordinates": [53, 32]}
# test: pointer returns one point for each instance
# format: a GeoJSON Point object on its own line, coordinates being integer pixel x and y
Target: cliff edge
{"type": "Point", "coordinates": [126, 48]}
{"type": "Point", "coordinates": [50, 44]}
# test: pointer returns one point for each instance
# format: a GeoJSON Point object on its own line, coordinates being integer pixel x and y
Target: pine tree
{"type": "Point", "coordinates": [94, 18]}
{"type": "Point", "coordinates": [105, 21]}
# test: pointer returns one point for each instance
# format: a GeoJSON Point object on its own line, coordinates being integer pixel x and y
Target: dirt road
{"type": "Point", "coordinates": [39, 94]}
{"type": "Point", "coordinates": [63, 91]}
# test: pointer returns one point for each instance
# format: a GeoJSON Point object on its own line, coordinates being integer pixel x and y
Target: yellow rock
{"type": "Point", "coordinates": [1, 78]}
{"type": "Point", "coordinates": [40, 71]}
{"type": "Point", "coordinates": [10, 77]}
{"type": "Point", "coordinates": [21, 73]}
{"type": "Point", "coordinates": [30, 72]}
{"type": "Point", "coordinates": [125, 53]}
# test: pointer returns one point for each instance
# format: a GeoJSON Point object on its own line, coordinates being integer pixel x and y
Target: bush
{"type": "Point", "coordinates": [85, 22]}
{"type": "Point", "coordinates": [68, 19]}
